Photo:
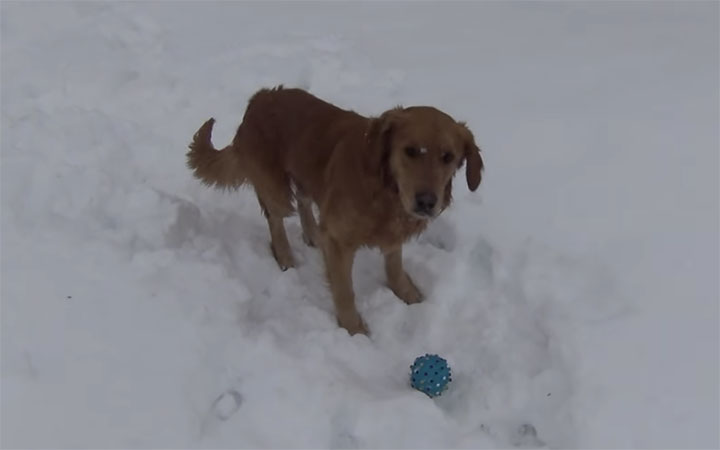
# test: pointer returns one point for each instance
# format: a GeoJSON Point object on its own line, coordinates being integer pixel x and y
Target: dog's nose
{"type": "Point", "coordinates": [425, 202]}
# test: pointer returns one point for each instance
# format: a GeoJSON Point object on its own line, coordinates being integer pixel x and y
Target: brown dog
{"type": "Point", "coordinates": [376, 181]}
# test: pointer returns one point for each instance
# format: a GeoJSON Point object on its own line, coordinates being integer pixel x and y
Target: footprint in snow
{"type": "Point", "coordinates": [526, 436]}
{"type": "Point", "coordinates": [227, 404]}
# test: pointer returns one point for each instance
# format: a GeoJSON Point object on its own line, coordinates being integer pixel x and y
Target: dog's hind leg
{"type": "Point", "coordinates": [307, 219]}
{"type": "Point", "coordinates": [279, 244]}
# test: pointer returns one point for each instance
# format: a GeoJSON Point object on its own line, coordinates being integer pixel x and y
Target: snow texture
{"type": "Point", "coordinates": [575, 295]}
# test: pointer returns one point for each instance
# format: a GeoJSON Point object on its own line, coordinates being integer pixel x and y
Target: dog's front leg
{"type": "Point", "coordinates": [338, 264]}
{"type": "Point", "coordinates": [398, 280]}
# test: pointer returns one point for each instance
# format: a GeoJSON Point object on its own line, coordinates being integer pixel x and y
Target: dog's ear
{"type": "Point", "coordinates": [380, 136]}
{"type": "Point", "coordinates": [474, 165]}
{"type": "Point", "coordinates": [385, 124]}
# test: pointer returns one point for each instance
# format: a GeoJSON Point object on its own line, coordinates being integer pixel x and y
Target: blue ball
{"type": "Point", "coordinates": [430, 374]}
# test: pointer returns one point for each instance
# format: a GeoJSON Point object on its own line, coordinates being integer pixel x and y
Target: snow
{"type": "Point", "coordinates": [575, 295]}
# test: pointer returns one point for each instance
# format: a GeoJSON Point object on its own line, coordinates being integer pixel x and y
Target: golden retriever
{"type": "Point", "coordinates": [376, 181]}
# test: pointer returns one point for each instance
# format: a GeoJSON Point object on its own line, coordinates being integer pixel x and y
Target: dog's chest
{"type": "Point", "coordinates": [391, 228]}
{"type": "Point", "coordinates": [377, 221]}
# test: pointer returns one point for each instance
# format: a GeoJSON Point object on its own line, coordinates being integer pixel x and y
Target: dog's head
{"type": "Point", "coordinates": [420, 149]}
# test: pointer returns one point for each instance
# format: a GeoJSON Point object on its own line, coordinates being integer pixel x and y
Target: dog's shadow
{"type": "Point", "coordinates": [235, 240]}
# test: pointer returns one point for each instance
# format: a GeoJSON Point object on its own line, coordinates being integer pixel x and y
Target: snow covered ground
{"type": "Point", "coordinates": [575, 295]}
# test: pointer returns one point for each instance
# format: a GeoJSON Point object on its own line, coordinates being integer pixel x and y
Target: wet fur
{"type": "Point", "coordinates": [296, 150]}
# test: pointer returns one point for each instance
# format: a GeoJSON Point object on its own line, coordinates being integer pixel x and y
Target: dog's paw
{"type": "Point", "coordinates": [308, 240]}
{"type": "Point", "coordinates": [284, 260]}
{"type": "Point", "coordinates": [353, 323]}
{"type": "Point", "coordinates": [406, 291]}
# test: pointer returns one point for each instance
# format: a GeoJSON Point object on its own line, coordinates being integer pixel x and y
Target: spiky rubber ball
{"type": "Point", "coordinates": [430, 374]}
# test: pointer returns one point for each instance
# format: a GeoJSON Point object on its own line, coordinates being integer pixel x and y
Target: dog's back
{"type": "Point", "coordinates": [294, 131]}
{"type": "Point", "coordinates": [284, 132]}
{"type": "Point", "coordinates": [284, 115]}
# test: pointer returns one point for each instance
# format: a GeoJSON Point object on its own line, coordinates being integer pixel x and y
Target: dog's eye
{"type": "Point", "coordinates": [412, 152]}
{"type": "Point", "coordinates": [447, 157]}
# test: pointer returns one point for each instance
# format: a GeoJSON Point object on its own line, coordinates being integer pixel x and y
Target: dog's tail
{"type": "Point", "coordinates": [220, 169]}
